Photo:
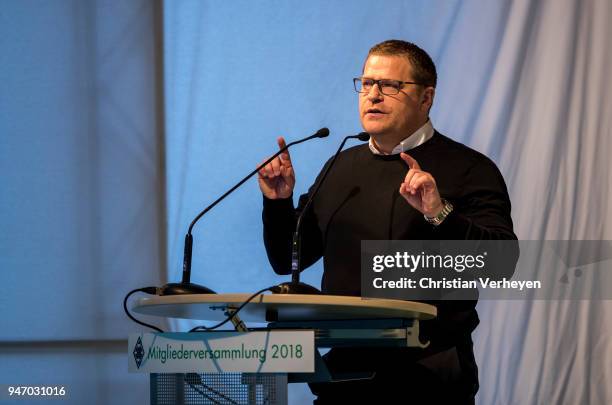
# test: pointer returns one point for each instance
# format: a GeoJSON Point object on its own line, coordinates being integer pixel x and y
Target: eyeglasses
{"type": "Point", "coordinates": [386, 86]}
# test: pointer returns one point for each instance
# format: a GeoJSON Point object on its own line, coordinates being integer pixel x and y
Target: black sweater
{"type": "Point", "coordinates": [360, 200]}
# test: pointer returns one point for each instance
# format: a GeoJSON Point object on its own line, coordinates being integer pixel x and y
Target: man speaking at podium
{"type": "Point", "coordinates": [409, 182]}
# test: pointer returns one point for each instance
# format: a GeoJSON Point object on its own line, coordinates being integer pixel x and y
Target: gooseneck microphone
{"type": "Point", "coordinates": [186, 286]}
{"type": "Point", "coordinates": [295, 286]}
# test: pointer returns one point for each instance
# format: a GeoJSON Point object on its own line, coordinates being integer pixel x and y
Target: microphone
{"type": "Point", "coordinates": [186, 286]}
{"type": "Point", "coordinates": [295, 286]}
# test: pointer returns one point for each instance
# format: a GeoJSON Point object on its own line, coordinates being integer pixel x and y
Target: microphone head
{"type": "Point", "coordinates": [363, 136]}
{"type": "Point", "coordinates": [322, 133]}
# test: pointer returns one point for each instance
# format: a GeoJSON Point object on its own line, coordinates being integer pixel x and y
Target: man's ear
{"type": "Point", "coordinates": [427, 97]}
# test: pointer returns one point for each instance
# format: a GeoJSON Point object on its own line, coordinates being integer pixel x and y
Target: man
{"type": "Point", "coordinates": [409, 182]}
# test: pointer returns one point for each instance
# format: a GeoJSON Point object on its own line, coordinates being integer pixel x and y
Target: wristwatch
{"type": "Point", "coordinates": [437, 220]}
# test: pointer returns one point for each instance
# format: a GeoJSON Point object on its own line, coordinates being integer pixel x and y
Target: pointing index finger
{"type": "Point", "coordinates": [281, 144]}
{"type": "Point", "coordinates": [410, 161]}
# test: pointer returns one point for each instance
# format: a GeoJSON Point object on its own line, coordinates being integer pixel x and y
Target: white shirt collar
{"type": "Point", "coordinates": [418, 137]}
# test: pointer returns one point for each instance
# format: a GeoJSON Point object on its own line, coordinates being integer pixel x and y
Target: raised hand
{"type": "Point", "coordinates": [419, 189]}
{"type": "Point", "coordinates": [277, 178]}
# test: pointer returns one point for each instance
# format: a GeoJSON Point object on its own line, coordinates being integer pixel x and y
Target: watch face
{"type": "Point", "coordinates": [437, 220]}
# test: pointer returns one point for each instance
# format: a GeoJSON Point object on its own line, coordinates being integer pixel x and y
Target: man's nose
{"type": "Point", "coordinates": [374, 93]}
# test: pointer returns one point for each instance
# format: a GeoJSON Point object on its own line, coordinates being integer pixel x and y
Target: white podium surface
{"type": "Point", "coordinates": [336, 321]}
{"type": "Point", "coordinates": [282, 307]}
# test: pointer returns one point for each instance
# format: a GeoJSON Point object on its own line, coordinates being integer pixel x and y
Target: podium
{"type": "Point", "coordinates": [337, 321]}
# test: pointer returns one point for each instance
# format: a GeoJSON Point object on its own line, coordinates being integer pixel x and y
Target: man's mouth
{"type": "Point", "coordinates": [374, 112]}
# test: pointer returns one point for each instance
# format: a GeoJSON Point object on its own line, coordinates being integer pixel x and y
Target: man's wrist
{"type": "Point", "coordinates": [437, 219]}
{"type": "Point", "coordinates": [278, 198]}
{"type": "Point", "coordinates": [434, 212]}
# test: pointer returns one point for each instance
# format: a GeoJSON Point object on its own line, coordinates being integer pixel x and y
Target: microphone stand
{"type": "Point", "coordinates": [295, 286]}
{"type": "Point", "coordinates": [186, 286]}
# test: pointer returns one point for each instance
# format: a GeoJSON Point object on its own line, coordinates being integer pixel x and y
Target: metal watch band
{"type": "Point", "coordinates": [437, 220]}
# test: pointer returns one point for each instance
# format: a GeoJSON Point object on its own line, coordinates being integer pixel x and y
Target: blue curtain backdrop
{"type": "Point", "coordinates": [81, 195]}
{"type": "Point", "coordinates": [525, 82]}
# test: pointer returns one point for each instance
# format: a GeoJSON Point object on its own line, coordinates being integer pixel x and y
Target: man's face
{"type": "Point", "coordinates": [392, 118]}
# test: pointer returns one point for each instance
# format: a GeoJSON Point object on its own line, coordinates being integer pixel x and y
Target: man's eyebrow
{"type": "Point", "coordinates": [383, 79]}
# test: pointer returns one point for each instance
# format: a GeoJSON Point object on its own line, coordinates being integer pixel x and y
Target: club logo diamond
{"type": "Point", "coordinates": [138, 352]}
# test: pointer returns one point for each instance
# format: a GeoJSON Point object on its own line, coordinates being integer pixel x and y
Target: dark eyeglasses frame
{"type": "Point", "coordinates": [378, 82]}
